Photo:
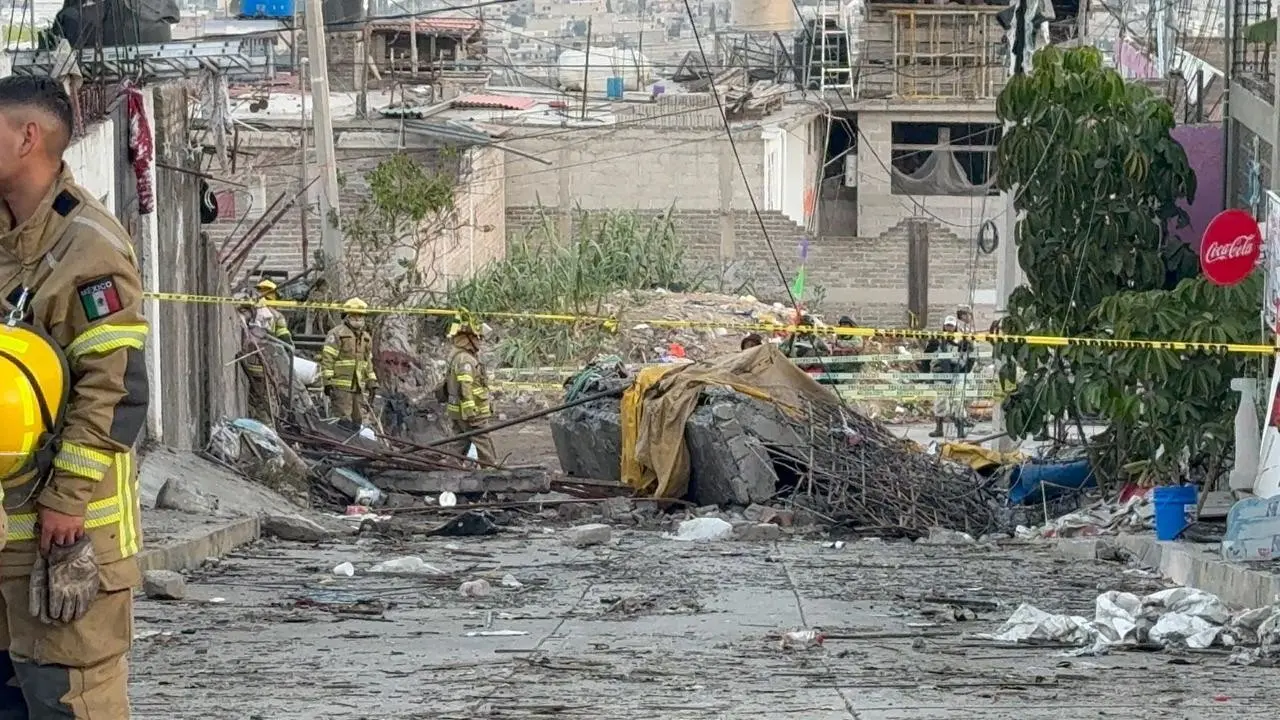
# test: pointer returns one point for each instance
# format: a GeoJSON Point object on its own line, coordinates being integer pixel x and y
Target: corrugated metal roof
{"type": "Point", "coordinates": [504, 102]}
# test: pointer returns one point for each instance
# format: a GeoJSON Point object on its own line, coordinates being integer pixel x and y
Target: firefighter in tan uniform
{"type": "Point", "coordinates": [68, 274]}
{"type": "Point", "coordinates": [466, 389]}
{"type": "Point", "coordinates": [346, 365]}
{"type": "Point", "coordinates": [256, 351]}
{"type": "Point", "coordinates": [270, 318]}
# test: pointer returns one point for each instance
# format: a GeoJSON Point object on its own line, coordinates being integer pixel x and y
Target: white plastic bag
{"type": "Point", "coordinates": [703, 529]}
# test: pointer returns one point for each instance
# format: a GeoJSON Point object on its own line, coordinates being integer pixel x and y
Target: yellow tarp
{"type": "Point", "coordinates": [657, 406]}
{"type": "Point", "coordinates": [978, 457]}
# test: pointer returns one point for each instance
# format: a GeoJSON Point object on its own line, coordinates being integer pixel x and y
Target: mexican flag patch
{"type": "Point", "coordinates": [99, 298]}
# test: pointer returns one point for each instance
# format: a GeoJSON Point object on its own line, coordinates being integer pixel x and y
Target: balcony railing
{"type": "Point", "coordinates": [941, 53]}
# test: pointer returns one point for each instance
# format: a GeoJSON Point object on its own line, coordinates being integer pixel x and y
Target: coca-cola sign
{"type": "Point", "coordinates": [1230, 247]}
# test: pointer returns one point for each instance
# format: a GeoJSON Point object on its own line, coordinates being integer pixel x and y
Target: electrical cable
{"type": "Point", "coordinates": [733, 146]}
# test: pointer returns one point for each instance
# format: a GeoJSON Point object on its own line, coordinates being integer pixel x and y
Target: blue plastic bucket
{"type": "Point", "coordinates": [1175, 510]}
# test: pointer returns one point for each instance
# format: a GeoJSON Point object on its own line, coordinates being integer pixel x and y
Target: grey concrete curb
{"type": "Point", "coordinates": [1191, 565]}
{"type": "Point", "coordinates": [190, 553]}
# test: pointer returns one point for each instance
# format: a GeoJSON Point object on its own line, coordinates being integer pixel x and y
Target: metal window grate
{"type": "Point", "coordinates": [1252, 63]}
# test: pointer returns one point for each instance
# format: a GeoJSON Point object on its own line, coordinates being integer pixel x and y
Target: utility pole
{"type": "Point", "coordinates": [327, 167]}
{"type": "Point", "coordinates": [586, 71]}
{"type": "Point", "coordinates": [302, 160]}
{"type": "Point", "coordinates": [1008, 272]}
{"type": "Point", "coordinates": [362, 63]}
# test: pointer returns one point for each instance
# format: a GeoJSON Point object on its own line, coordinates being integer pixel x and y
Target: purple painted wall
{"type": "Point", "coordinates": [1206, 147]}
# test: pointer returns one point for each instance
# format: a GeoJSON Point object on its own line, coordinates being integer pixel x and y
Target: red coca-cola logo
{"type": "Point", "coordinates": [1230, 247]}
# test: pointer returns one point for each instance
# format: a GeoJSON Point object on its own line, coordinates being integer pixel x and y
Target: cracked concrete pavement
{"type": "Point", "coordinates": [648, 627]}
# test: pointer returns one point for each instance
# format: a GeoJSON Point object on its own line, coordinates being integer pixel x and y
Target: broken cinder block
{"type": "Point", "coordinates": [586, 535]}
{"type": "Point", "coordinates": [765, 514]}
{"type": "Point", "coordinates": [164, 585]}
{"type": "Point", "coordinates": [758, 532]}
{"type": "Point", "coordinates": [294, 527]}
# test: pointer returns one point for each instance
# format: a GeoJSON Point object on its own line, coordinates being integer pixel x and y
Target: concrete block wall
{"type": "Point", "coordinates": [632, 167]}
{"type": "Point", "coordinates": [474, 237]}
{"type": "Point", "coordinates": [866, 277]}
{"type": "Point", "coordinates": [879, 209]}
{"type": "Point", "coordinates": [480, 237]}
{"type": "Point", "coordinates": [194, 379]}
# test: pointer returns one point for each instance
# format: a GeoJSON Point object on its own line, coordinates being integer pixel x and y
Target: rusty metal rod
{"type": "Point", "coordinates": [525, 418]}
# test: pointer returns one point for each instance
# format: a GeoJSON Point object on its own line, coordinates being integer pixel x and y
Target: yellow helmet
{"type": "Point", "coordinates": [33, 397]}
{"type": "Point", "coordinates": [266, 286]}
{"type": "Point", "coordinates": [464, 324]}
{"type": "Point", "coordinates": [355, 306]}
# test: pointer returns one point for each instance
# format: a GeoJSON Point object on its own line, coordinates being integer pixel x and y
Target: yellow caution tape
{"type": "Point", "coordinates": [611, 324]}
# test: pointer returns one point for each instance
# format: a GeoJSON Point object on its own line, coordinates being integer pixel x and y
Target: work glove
{"type": "Point", "coordinates": [64, 583]}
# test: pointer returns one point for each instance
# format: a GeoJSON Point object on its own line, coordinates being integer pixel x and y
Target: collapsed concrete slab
{"type": "Point", "coordinates": [735, 443]}
{"type": "Point", "coordinates": [462, 481]}
{"type": "Point", "coordinates": [588, 440]}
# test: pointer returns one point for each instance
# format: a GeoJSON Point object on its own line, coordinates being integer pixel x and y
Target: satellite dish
{"type": "Point", "coordinates": [988, 237]}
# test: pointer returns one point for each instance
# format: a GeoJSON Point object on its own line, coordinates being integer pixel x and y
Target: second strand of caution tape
{"type": "Point", "coordinates": [611, 324]}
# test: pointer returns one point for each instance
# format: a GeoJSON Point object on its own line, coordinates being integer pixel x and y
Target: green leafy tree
{"type": "Point", "coordinates": [1097, 179]}
{"type": "Point", "coordinates": [394, 229]}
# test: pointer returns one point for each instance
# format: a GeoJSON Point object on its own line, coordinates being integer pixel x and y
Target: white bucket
{"type": "Point", "coordinates": [306, 370]}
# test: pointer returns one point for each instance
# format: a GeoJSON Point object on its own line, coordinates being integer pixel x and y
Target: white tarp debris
{"type": "Point", "coordinates": [703, 529]}
{"type": "Point", "coordinates": [1173, 628]}
{"type": "Point", "coordinates": [1179, 616]}
{"type": "Point", "coordinates": [1116, 615]}
{"type": "Point", "coordinates": [1031, 624]}
{"type": "Point", "coordinates": [1190, 601]}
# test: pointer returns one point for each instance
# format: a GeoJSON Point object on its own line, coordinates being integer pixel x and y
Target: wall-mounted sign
{"type": "Point", "coordinates": [1230, 247]}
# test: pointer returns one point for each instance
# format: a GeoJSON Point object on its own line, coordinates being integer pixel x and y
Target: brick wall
{"type": "Point", "coordinates": [866, 277]}
{"type": "Point", "coordinates": [480, 235]}
{"type": "Point", "coordinates": [474, 237]}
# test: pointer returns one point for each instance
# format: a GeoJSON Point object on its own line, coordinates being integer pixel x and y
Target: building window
{"type": "Point", "coordinates": [1253, 46]}
{"type": "Point", "coordinates": [944, 159]}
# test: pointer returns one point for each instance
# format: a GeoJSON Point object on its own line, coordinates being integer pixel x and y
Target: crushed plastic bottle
{"type": "Point", "coordinates": [802, 639]}
{"type": "Point", "coordinates": [408, 564]}
{"type": "Point", "coordinates": [345, 569]}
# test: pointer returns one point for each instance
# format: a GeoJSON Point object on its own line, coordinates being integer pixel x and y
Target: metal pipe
{"type": "Point", "coordinates": [524, 418]}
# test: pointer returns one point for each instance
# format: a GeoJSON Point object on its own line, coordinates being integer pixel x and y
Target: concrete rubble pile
{"type": "Point", "coordinates": [839, 465]}
{"type": "Point", "coordinates": [1179, 617]}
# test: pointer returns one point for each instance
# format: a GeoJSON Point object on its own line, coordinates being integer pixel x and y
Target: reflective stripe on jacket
{"type": "Point", "coordinates": [346, 361]}
{"type": "Point", "coordinates": [85, 292]}
{"type": "Point", "coordinates": [466, 387]}
{"type": "Point", "coordinates": [272, 320]}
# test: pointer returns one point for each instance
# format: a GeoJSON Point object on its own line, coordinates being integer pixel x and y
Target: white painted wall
{"type": "Point", "coordinates": [796, 174]}
{"type": "Point", "coordinates": [91, 159]}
